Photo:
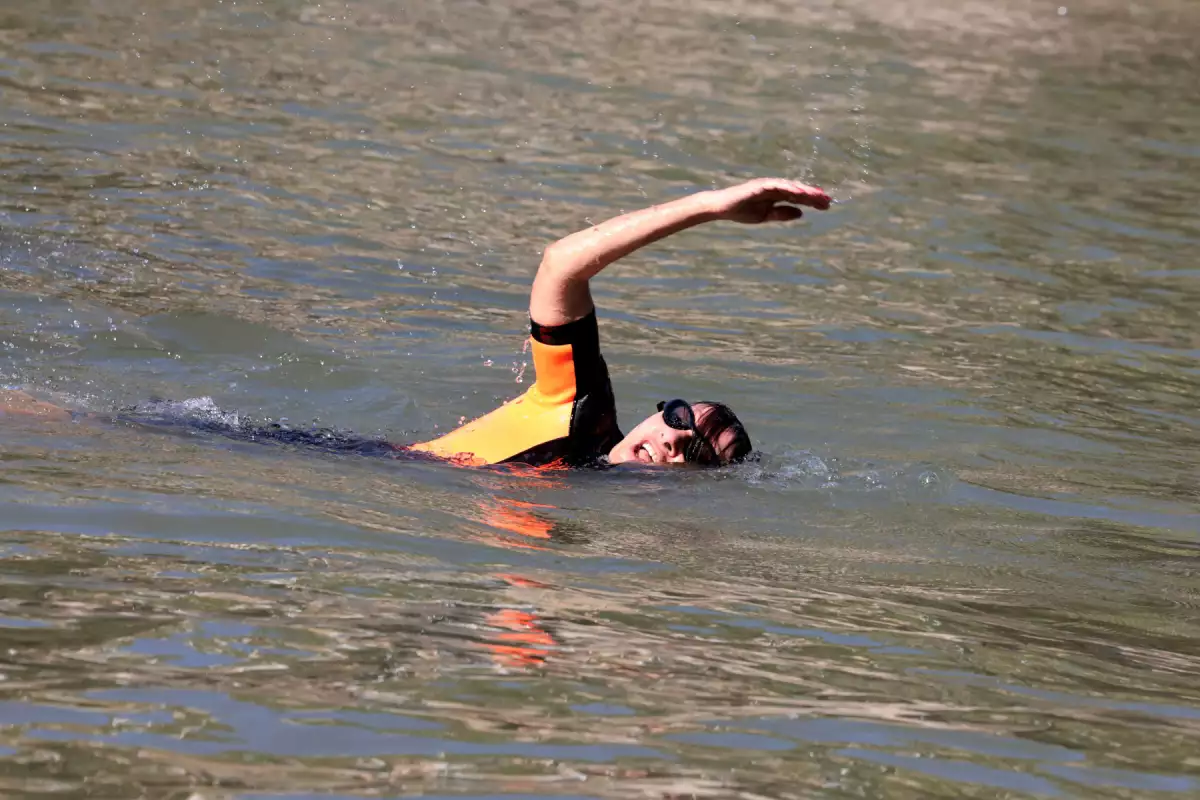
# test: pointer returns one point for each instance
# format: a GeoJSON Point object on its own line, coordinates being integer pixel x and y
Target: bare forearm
{"type": "Point", "coordinates": [560, 290]}
{"type": "Point", "coordinates": [582, 255]}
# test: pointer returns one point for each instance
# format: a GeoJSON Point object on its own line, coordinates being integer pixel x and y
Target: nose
{"type": "Point", "coordinates": [675, 443]}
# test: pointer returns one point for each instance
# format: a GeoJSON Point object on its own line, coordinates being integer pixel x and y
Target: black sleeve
{"type": "Point", "coordinates": [594, 417]}
{"type": "Point", "coordinates": [583, 331]}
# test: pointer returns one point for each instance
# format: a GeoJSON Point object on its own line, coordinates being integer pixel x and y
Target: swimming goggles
{"type": "Point", "coordinates": [678, 414]}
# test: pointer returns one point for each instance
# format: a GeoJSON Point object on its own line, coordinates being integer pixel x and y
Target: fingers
{"type": "Point", "coordinates": [792, 192]}
{"type": "Point", "coordinates": [804, 195]}
{"type": "Point", "coordinates": [784, 214]}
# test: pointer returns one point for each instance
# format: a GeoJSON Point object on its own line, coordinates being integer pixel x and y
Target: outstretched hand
{"type": "Point", "coordinates": [765, 200]}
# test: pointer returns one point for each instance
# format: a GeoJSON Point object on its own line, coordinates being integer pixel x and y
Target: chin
{"type": "Point", "coordinates": [619, 455]}
{"type": "Point", "coordinates": [624, 453]}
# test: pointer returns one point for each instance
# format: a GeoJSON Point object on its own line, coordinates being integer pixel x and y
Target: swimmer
{"type": "Point", "coordinates": [569, 415]}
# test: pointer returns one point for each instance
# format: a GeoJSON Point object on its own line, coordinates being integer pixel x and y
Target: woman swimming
{"type": "Point", "coordinates": [569, 414]}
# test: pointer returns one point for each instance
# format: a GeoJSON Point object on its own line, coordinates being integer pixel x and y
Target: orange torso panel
{"type": "Point", "coordinates": [569, 412]}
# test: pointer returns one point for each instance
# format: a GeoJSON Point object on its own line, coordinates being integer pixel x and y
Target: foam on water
{"type": "Point", "coordinates": [202, 415]}
{"type": "Point", "coordinates": [804, 470]}
{"type": "Point", "coordinates": [201, 411]}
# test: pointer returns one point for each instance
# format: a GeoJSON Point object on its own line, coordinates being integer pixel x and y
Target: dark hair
{"type": "Point", "coordinates": [716, 421]}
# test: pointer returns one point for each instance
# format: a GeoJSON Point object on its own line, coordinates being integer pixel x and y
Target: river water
{"type": "Point", "coordinates": [966, 563]}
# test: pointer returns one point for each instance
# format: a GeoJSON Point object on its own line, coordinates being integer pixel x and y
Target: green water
{"type": "Point", "coordinates": [966, 565]}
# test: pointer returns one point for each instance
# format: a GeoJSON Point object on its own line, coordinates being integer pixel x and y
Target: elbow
{"type": "Point", "coordinates": [555, 262]}
{"type": "Point", "coordinates": [568, 262]}
{"type": "Point", "coordinates": [552, 255]}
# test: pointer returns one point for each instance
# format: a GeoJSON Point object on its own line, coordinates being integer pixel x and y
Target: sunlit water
{"type": "Point", "coordinates": [964, 565]}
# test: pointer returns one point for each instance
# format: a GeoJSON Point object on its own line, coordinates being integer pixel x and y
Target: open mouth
{"type": "Point", "coordinates": [644, 454]}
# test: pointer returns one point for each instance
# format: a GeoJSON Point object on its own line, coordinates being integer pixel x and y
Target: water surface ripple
{"type": "Point", "coordinates": [965, 565]}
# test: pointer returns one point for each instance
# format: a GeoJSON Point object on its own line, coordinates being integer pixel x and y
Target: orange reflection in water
{"type": "Point", "coordinates": [522, 640]}
{"type": "Point", "coordinates": [515, 516]}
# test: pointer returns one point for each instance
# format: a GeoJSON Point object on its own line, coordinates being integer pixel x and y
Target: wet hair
{"type": "Point", "coordinates": [718, 419]}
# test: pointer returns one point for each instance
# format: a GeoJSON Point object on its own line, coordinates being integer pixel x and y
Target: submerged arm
{"type": "Point", "coordinates": [560, 290]}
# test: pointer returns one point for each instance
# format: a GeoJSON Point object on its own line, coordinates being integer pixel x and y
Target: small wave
{"type": "Point", "coordinates": [805, 470]}
{"type": "Point", "coordinates": [203, 415]}
{"type": "Point", "coordinates": [196, 412]}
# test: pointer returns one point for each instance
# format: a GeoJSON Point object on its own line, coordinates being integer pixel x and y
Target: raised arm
{"type": "Point", "coordinates": [560, 290]}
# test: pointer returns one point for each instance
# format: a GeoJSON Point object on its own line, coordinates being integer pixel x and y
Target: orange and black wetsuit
{"type": "Point", "coordinates": [567, 416]}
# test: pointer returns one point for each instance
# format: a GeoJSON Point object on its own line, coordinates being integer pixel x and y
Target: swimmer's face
{"type": "Point", "coordinates": [653, 441]}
